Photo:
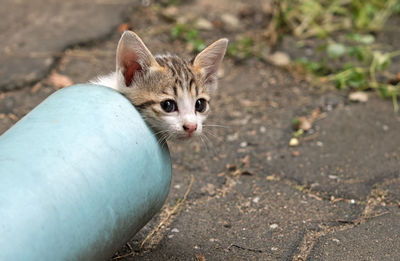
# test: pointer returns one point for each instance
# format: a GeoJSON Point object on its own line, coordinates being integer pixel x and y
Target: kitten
{"type": "Point", "coordinates": [172, 94]}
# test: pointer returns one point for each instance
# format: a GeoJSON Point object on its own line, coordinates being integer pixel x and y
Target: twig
{"type": "Point", "coordinates": [159, 226]}
{"type": "Point", "coordinates": [170, 213]}
{"type": "Point", "coordinates": [245, 248]}
{"type": "Point", "coordinates": [311, 137]}
{"type": "Point", "coordinates": [123, 256]}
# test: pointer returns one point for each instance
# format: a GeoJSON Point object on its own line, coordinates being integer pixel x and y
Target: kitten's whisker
{"type": "Point", "coordinates": [162, 137]}
{"type": "Point", "coordinates": [211, 133]}
{"type": "Point", "coordinates": [168, 135]}
{"type": "Point", "coordinates": [214, 125]}
{"type": "Point", "coordinates": [205, 145]}
{"type": "Point", "coordinates": [208, 140]}
{"type": "Point", "coordinates": [161, 131]}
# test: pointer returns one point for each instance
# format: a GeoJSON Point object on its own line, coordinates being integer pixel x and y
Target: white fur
{"type": "Point", "coordinates": [109, 80]}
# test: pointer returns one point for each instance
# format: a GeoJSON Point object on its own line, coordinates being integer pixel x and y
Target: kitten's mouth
{"type": "Point", "coordinates": [185, 136]}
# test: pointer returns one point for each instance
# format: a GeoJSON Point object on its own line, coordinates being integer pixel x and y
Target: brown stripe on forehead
{"type": "Point", "coordinates": [193, 87]}
{"type": "Point", "coordinates": [182, 72]}
{"type": "Point", "coordinates": [170, 91]}
{"type": "Point", "coordinates": [178, 83]}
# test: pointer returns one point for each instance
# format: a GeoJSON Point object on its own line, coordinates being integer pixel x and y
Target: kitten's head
{"type": "Point", "coordinates": [171, 93]}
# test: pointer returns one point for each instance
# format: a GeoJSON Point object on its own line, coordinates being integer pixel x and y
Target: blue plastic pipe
{"type": "Point", "coordinates": [79, 176]}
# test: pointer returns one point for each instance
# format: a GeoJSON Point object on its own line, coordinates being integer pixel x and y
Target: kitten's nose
{"type": "Point", "coordinates": [190, 128]}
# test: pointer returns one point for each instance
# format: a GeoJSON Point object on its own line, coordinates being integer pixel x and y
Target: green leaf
{"type": "Point", "coordinates": [367, 39]}
{"type": "Point", "coordinates": [362, 53]}
{"type": "Point", "coordinates": [191, 35]}
{"type": "Point", "coordinates": [336, 50]}
{"type": "Point", "coordinates": [362, 38]}
{"type": "Point", "coordinates": [178, 30]}
{"type": "Point", "coordinates": [382, 60]}
{"type": "Point", "coordinates": [357, 79]}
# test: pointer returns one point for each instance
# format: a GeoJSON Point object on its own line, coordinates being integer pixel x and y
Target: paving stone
{"type": "Point", "coordinates": [256, 220]}
{"type": "Point", "coordinates": [377, 239]}
{"type": "Point", "coordinates": [39, 30]}
{"type": "Point", "coordinates": [349, 145]}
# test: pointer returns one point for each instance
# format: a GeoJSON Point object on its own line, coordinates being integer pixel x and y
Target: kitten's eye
{"type": "Point", "coordinates": [169, 105]}
{"type": "Point", "coordinates": [201, 105]}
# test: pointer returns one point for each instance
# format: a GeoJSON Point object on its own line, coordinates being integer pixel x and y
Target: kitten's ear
{"type": "Point", "coordinates": [133, 57]}
{"type": "Point", "coordinates": [208, 62]}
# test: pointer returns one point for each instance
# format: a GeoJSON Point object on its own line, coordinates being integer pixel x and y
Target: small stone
{"type": "Point", "coordinates": [230, 21]}
{"type": "Point", "coordinates": [385, 127]}
{"type": "Point", "coordinates": [274, 248]}
{"type": "Point", "coordinates": [177, 186]}
{"type": "Point", "coordinates": [332, 176]}
{"type": "Point", "coordinates": [273, 226]}
{"type": "Point", "coordinates": [335, 240]}
{"type": "Point", "coordinates": [272, 178]}
{"type": "Point", "coordinates": [233, 137]}
{"type": "Point", "coordinates": [256, 199]}
{"type": "Point", "coordinates": [293, 142]}
{"type": "Point", "coordinates": [279, 59]}
{"type": "Point", "coordinates": [174, 230]}
{"type": "Point", "coordinates": [263, 129]}
{"type": "Point", "coordinates": [358, 97]}
{"type": "Point", "coordinates": [352, 201]}
{"type": "Point", "coordinates": [170, 236]}
{"type": "Point", "coordinates": [319, 144]}
{"type": "Point", "coordinates": [243, 144]}
{"type": "Point", "coordinates": [170, 13]}
{"type": "Point", "coordinates": [203, 24]}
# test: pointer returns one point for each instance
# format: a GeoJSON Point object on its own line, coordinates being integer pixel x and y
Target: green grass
{"type": "Point", "coordinates": [242, 48]}
{"type": "Point", "coordinates": [189, 35]}
{"type": "Point", "coordinates": [309, 18]}
{"type": "Point", "coordinates": [355, 62]}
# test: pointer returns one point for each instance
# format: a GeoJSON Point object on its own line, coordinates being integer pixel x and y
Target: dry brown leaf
{"type": "Point", "coordinates": [200, 257]}
{"type": "Point", "coordinates": [246, 161]}
{"type": "Point", "coordinates": [315, 113]}
{"type": "Point", "coordinates": [231, 167]}
{"type": "Point", "coordinates": [272, 178]}
{"type": "Point", "coordinates": [12, 117]}
{"type": "Point", "coordinates": [304, 123]}
{"type": "Point", "coordinates": [296, 153]}
{"type": "Point", "coordinates": [59, 80]}
{"type": "Point", "coordinates": [36, 87]}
